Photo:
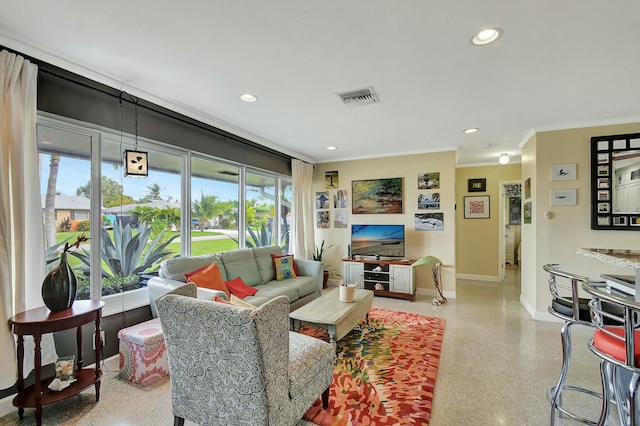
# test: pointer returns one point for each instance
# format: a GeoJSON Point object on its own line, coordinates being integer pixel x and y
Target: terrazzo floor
{"type": "Point", "coordinates": [495, 368]}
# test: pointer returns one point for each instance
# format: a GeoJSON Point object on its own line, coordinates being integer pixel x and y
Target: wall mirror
{"type": "Point", "coordinates": [615, 182]}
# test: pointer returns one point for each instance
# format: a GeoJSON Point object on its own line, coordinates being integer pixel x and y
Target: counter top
{"type": "Point", "coordinates": [629, 259]}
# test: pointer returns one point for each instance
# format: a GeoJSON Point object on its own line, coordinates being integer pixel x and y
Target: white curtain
{"type": "Point", "coordinates": [22, 252]}
{"type": "Point", "coordinates": [302, 211]}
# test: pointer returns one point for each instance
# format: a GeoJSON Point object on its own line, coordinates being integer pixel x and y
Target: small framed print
{"type": "Point", "coordinates": [603, 195]}
{"type": "Point", "coordinates": [603, 182]}
{"type": "Point", "coordinates": [603, 208]}
{"type": "Point", "coordinates": [603, 220]}
{"type": "Point", "coordinates": [477, 207]}
{"type": "Point", "coordinates": [563, 197]}
{"type": "Point", "coordinates": [563, 172]}
{"type": "Point", "coordinates": [634, 221]}
{"type": "Point", "coordinates": [477, 185]}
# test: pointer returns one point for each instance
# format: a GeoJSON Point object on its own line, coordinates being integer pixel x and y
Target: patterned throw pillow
{"type": "Point", "coordinates": [276, 256]}
{"type": "Point", "coordinates": [284, 268]}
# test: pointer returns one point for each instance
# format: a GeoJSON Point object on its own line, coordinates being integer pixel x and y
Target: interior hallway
{"type": "Point", "coordinates": [495, 368]}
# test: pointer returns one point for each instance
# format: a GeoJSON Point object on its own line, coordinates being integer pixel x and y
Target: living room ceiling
{"type": "Point", "coordinates": [558, 64]}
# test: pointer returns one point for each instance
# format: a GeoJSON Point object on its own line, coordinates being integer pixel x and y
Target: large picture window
{"type": "Point", "coordinates": [84, 190]}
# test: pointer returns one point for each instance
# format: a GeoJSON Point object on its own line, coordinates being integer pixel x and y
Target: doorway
{"type": "Point", "coordinates": [509, 228]}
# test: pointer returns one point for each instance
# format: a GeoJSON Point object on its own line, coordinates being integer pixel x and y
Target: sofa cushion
{"type": "Point", "coordinates": [284, 268]}
{"type": "Point", "coordinates": [238, 287]}
{"type": "Point", "coordinates": [304, 285]}
{"type": "Point", "coordinates": [210, 278]}
{"type": "Point", "coordinates": [276, 256]}
{"type": "Point", "coordinates": [175, 267]}
{"type": "Point", "coordinates": [265, 264]}
{"type": "Point", "coordinates": [241, 263]}
{"type": "Point", "coordinates": [271, 290]}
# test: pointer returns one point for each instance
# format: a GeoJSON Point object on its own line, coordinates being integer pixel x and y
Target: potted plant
{"type": "Point", "coordinates": [317, 256]}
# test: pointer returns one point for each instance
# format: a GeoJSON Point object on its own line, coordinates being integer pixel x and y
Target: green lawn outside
{"type": "Point", "coordinates": [61, 236]}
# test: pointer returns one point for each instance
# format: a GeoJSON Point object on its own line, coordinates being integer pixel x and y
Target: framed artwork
{"type": "Point", "coordinates": [340, 199]}
{"type": "Point", "coordinates": [563, 172]}
{"type": "Point", "coordinates": [527, 188]}
{"type": "Point", "coordinates": [322, 219]}
{"type": "Point", "coordinates": [527, 212]}
{"type": "Point", "coordinates": [563, 197]}
{"type": "Point", "coordinates": [340, 219]}
{"type": "Point", "coordinates": [515, 213]}
{"type": "Point", "coordinates": [476, 207]}
{"type": "Point", "coordinates": [429, 180]}
{"type": "Point", "coordinates": [477, 185]}
{"type": "Point", "coordinates": [322, 200]}
{"type": "Point", "coordinates": [331, 180]}
{"type": "Point", "coordinates": [429, 201]}
{"type": "Point", "coordinates": [429, 222]}
{"type": "Point", "coordinates": [376, 196]}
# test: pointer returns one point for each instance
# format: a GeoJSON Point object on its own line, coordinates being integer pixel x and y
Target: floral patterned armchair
{"type": "Point", "coordinates": [231, 365]}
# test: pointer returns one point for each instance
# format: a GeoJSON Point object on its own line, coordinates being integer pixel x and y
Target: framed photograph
{"type": "Point", "coordinates": [376, 196]}
{"type": "Point", "coordinates": [527, 214]}
{"type": "Point", "coordinates": [603, 195]}
{"type": "Point", "coordinates": [603, 208]}
{"type": "Point", "coordinates": [515, 213]}
{"type": "Point", "coordinates": [476, 207]}
{"type": "Point", "coordinates": [619, 221]}
{"type": "Point", "coordinates": [563, 197]}
{"type": "Point", "coordinates": [340, 199]}
{"type": "Point", "coordinates": [603, 170]}
{"type": "Point", "coordinates": [429, 201]}
{"type": "Point", "coordinates": [563, 172]}
{"type": "Point", "coordinates": [603, 182]}
{"type": "Point", "coordinates": [340, 219]}
{"type": "Point", "coordinates": [477, 185]}
{"type": "Point", "coordinates": [429, 222]}
{"type": "Point", "coordinates": [429, 180]}
{"type": "Point", "coordinates": [322, 219]}
{"type": "Point", "coordinates": [527, 188]}
{"type": "Point", "coordinates": [322, 200]}
{"type": "Point", "coordinates": [331, 180]}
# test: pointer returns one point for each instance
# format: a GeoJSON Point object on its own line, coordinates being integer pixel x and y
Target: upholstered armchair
{"type": "Point", "coordinates": [231, 365]}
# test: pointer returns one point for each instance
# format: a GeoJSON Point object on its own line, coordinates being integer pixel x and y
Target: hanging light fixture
{"type": "Point", "coordinates": [504, 158]}
{"type": "Point", "coordinates": [135, 162]}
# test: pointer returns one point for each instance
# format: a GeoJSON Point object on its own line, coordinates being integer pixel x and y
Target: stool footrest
{"type": "Point", "coordinates": [566, 412]}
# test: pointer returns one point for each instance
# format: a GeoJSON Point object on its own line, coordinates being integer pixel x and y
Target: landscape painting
{"type": "Point", "coordinates": [429, 201]}
{"type": "Point", "coordinates": [429, 180]}
{"type": "Point", "coordinates": [376, 196]}
{"type": "Point", "coordinates": [429, 222]}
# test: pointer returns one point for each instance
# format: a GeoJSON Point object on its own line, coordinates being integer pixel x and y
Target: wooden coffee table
{"type": "Point", "coordinates": [338, 318]}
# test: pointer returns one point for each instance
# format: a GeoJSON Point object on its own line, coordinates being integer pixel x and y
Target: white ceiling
{"type": "Point", "coordinates": [559, 64]}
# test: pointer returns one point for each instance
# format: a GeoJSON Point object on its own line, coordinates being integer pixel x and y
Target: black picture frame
{"type": "Point", "coordinates": [477, 185]}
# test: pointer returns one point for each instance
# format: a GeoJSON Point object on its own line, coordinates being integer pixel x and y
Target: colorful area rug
{"type": "Point", "coordinates": [385, 374]}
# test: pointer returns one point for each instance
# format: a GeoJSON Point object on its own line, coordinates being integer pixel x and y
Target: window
{"type": "Point", "coordinates": [79, 161]}
{"type": "Point", "coordinates": [214, 206]}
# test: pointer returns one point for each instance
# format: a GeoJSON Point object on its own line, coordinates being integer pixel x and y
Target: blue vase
{"type": "Point", "coordinates": [59, 286]}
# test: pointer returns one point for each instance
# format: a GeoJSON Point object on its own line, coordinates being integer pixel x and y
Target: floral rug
{"type": "Point", "coordinates": [385, 374]}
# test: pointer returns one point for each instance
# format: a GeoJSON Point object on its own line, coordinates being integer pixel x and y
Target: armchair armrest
{"type": "Point", "coordinates": [311, 268]}
{"type": "Point", "coordinates": [158, 286]}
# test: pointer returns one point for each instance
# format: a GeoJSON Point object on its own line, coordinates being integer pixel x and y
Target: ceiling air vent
{"type": "Point", "coordinates": [360, 97]}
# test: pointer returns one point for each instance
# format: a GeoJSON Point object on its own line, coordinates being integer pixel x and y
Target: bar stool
{"type": "Point", "coordinates": [619, 348]}
{"type": "Point", "coordinates": [573, 310]}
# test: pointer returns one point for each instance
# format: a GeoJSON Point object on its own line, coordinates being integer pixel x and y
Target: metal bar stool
{"type": "Point", "coordinates": [619, 348]}
{"type": "Point", "coordinates": [573, 310]}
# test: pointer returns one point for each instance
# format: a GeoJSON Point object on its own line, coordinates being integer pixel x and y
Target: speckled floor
{"type": "Point", "coordinates": [495, 368]}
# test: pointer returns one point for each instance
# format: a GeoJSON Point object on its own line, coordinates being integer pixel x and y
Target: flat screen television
{"type": "Point", "coordinates": [377, 240]}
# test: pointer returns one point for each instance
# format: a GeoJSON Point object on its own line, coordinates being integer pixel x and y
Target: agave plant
{"type": "Point", "coordinates": [125, 255]}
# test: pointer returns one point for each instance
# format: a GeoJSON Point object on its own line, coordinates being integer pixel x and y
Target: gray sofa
{"type": "Point", "coordinates": [254, 266]}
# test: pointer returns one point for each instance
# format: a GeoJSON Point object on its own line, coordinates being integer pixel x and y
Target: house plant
{"type": "Point", "coordinates": [317, 256]}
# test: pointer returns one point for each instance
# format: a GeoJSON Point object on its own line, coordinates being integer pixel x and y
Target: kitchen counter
{"type": "Point", "coordinates": [629, 259]}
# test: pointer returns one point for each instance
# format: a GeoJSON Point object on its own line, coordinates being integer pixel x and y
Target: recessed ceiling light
{"type": "Point", "coordinates": [486, 36]}
{"type": "Point", "coordinates": [248, 97]}
{"type": "Point", "coordinates": [471, 130]}
{"type": "Point", "coordinates": [504, 158]}
{"type": "Point", "coordinates": [332, 148]}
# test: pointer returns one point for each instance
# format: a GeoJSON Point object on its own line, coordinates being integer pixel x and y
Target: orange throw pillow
{"type": "Point", "coordinates": [210, 278]}
{"type": "Point", "coordinates": [221, 300]}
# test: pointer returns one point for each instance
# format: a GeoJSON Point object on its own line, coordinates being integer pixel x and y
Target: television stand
{"type": "Point", "coordinates": [390, 278]}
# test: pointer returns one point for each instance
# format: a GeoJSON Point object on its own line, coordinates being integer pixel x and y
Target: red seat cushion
{"type": "Point", "coordinates": [614, 347]}
{"type": "Point", "coordinates": [239, 288]}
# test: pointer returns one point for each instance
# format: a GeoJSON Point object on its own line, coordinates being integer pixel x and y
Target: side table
{"type": "Point", "coordinates": [39, 321]}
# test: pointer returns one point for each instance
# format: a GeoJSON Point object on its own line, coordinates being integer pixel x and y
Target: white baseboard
{"type": "Point", "coordinates": [6, 404]}
{"type": "Point", "coordinates": [430, 292]}
{"type": "Point", "coordinates": [538, 315]}
{"type": "Point", "coordinates": [491, 278]}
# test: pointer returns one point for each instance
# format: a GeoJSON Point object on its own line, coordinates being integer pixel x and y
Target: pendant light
{"type": "Point", "coordinates": [135, 162]}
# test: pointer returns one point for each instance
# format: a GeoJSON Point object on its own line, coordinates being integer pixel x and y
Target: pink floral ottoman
{"type": "Point", "coordinates": [143, 354]}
